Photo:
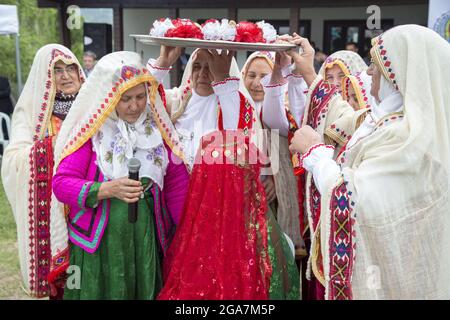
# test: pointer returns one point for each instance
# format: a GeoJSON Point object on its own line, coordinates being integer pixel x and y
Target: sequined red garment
{"type": "Point", "coordinates": [220, 247]}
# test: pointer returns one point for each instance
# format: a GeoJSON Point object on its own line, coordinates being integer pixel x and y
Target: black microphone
{"type": "Point", "coordinates": [133, 173]}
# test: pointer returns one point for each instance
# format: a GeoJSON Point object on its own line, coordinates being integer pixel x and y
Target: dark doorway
{"type": "Point", "coordinates": [339, 32]}
{"type": "Point", "coordinates": [99, 37]}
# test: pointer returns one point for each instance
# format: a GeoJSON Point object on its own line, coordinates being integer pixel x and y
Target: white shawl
{"type": "Point", "coordinates": [30, 122]}
{"type": "Point", "coordinates": [183, 104]}
{"type": "Point", "coordinates": [399, 177]}
{"type": "Point", "coordinates": [94, 108]}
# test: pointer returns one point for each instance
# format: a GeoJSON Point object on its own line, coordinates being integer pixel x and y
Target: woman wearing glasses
{"type": "Point", "coordinates": [27, 167]}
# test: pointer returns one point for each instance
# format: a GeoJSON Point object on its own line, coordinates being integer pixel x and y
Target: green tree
{"type": "Point", "coordinates": [37, 27]}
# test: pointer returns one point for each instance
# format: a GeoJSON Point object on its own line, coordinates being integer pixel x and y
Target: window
{"type": "Point", "coordinates": [339, 32]}
{"type": "Point", "coordinates": [282, 27]}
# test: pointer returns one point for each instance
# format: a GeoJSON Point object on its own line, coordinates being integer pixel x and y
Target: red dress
{"type": "Point", "coordinates": [220, 248]}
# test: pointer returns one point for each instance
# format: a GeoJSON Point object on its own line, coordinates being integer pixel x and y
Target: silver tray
{"type": "Point", "coordinates": [211, 44]}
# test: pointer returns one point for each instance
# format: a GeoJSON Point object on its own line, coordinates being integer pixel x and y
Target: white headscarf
{"type": "Point", "coordinates": [391, 101]}
{"type": "Point", "coordinates": [30, 122]}
{"type": "Point", "coordinates": [338, 121]}
{"type": "Point", "coordinates": [398, 177]}
{"type": "Point", "coordinates": [182, 99]}
{"type": "Point", "coordinates": [361, 84]}
{"type": "Point", "coordinates": [178, 98]}
{"type": "Point", "coordinates": [270, 59]}
{"type": "Point", "coordinates": [93, 116]}
{"type": "Point", "coordinates": [350, 62]}
{"type": "Point", "coordinates": [118, 141]}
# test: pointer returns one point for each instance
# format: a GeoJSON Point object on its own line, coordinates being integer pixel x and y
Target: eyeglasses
{"type": "Point", "coordinates": [71, 70]}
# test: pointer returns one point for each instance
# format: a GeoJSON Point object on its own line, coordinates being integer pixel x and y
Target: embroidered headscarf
{"type": "Point", "coordinates": [350, 63]}
{"type": "Point", "coordinates": [30, 126]}
{"type": "Point", "coordinates": [93, 116]}
{"type": "Point", "coordinates": [394, 186]}
{"type": "Point", "coordinates": [361, 83]}
{"type": "Point", "coordinates": [268, 57]}
{"type": "Point", "coordinates": [177, 99]}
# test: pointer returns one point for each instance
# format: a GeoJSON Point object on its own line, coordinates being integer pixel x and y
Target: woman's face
{"type": "Point", "coordinates": [67, 78]}
{"type": "Point", "coordinates": [201, 76]}
{"type": "Point", "coordinates": [334, 75]}
{"type": "Point", "coordinates": [376, 78]}
{"type": "Point", "coordinates": [257, 70]}
{"type": "Point", "coordinates": [132, 103]}
{"type": "Point", "coordinates": [351, 98]}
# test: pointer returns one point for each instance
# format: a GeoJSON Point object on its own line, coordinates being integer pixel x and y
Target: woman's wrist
{"type": "Point", "coordinates": [315, 153]}
{"type": "Point", "coordinates": [105, 190]}
{"type": "Point", "coordinates": [221, 77]}
{"type": "Point", "coordinates": [309, 76]}
{"type": "Point", "coordinates": [163, 62]}
{"type": "Point", "coordinates": [277, 76]}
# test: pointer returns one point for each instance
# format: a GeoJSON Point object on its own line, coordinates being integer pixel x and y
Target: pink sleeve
{"type": "Point", "coordinates": [176, 184]}
{"type": "Point", "coordinates": [69, 183]}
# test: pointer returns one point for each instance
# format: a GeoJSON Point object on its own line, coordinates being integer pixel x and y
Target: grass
{"type": "Point", "coordinates": [10, 278]}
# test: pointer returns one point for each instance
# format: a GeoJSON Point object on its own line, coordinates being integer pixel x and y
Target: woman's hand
{"type": "Point", "coordinates": [219, 64]}
{"type": "Point", "coordinates": [304, 138]}
{"type": "Point", "coordinates": [168, 56]}
{"type": "Point", "coordinates": [304, 61]}
{"type": "Point", "coordinates": [282, 60]}
{"type": "Point", "coordinates": [124, 189]}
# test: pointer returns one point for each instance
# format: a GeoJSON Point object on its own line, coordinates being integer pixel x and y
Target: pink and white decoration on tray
{"type": "Point", "coordinates": [213, 30]}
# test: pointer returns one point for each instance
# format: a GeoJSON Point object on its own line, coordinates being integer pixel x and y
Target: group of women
{"type": "Point", "coordinates": [220, 217]}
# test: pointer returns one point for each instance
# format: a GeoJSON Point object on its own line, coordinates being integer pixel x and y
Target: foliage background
{"type": "Point", "coordinates": [37, 27]}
